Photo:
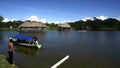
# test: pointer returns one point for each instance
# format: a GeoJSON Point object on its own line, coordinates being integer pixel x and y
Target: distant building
{"type": "Point", "coordinates": [63, 27]}
{"type": "Point", "coordinates": [32, 26]}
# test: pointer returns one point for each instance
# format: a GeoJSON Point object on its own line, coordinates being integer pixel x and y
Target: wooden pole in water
{"type": "Point", "coordinates": [60, 62]}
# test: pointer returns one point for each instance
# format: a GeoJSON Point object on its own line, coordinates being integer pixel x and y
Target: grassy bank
{"type": "Point", "coordinates": [4, 63]}
{"type": "Point", "coordinates": [8, 28]}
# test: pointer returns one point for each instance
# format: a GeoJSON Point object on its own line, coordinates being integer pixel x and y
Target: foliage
{"type": "Point", "coordinates": [51, 26]}
{"type": "Point", "coordinates": [14, 24]}
{"type": "Point", "coordinates": [96, 24]}
{"type": "Point", "coordinates": [1, 18]}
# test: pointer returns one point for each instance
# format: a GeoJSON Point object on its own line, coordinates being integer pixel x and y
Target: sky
{"type": "Point", "coordinates": [59, 10]}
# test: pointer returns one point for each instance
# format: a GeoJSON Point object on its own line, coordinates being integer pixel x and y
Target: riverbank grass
{"type": "Point", "coordinates": [4, 63]}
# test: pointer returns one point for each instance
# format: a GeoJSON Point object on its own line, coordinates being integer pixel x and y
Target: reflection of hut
{"type": "Point", "coordinates": [32, 26]}
{"type": "Point", "coordinates": [64, 26]}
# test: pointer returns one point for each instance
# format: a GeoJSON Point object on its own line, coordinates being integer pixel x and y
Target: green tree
{"type": "Point", "coordinates": [1, 18]}
{"type": "Point", "coordinates": [97, 23]}
{"type": "Point", "coordinates": [110, 22]}
{"type": "Point", "coordinates": [52, 25]}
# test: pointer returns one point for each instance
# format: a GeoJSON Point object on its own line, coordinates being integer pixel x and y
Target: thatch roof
{"type": "Point", "coordinates": [32, 24]}
{"type": "Point", "coordinates": [65, 25]}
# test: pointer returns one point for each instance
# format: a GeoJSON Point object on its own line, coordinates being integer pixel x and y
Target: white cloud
{"type": "Point", "coordinates": [56, 22]}
{"type": "Point", "coordinates": [6, 20]}
{"type": "Point", "coordinates": [35, 18]}
{"type": "Point", "coordinates": [102, 17]}
{"type": "Point", "coordinates": [87, 18]}
{"type": "Point", "coordinates": [67, 21]}
{"type": "Point", "coordinates": [118, 18]}
{"type": "Point", "coordinates": [43, 20]}
{"type": "Point", "coordinates": [90, 18]}
{"type": "Point", "coordinates": [62, 22]}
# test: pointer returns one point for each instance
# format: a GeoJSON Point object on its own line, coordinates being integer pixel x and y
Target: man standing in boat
{"type": "Point", "coordinates": [11, 51]}
{"type": "Point", "coordinates": [36, 42]}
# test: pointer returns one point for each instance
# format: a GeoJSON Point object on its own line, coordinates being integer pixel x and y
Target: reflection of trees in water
{"type": "Point", "coordinates": [4, 35]}
{"type": "Point", "coordinates": [1, 36]}
{"type": "Point", "coordinates": [64, 34]}
{"type": "Point", "coordinates": [29, 51]}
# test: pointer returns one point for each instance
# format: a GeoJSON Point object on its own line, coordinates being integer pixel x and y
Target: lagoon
{"type": "Point", "coordinates": [87, 49]}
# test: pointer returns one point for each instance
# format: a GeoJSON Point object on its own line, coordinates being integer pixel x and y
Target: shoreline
{"type": "Point", "coordinates": [99, 29]}
{"type": "Point", "coordinates": [4, 62]}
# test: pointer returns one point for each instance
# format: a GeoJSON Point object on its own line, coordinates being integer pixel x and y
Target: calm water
{"type": "Point", "coordinates": [87, 49]}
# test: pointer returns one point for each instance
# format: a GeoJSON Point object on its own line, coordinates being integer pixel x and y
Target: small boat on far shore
{"type": "Point", "coordinates": [28, 41]}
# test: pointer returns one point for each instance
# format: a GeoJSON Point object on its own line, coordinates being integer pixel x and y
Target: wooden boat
{"type": "Point", "coordinates": [28, 41]}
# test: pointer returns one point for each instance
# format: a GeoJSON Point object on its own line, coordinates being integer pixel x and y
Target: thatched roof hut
{"type": "Point", "coordinates": [32, 26]}
{"type": "Point", "coordinates": [64, 26]}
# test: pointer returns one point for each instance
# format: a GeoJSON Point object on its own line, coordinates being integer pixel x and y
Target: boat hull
{"type": "Point", "coordinates": [27, 45]}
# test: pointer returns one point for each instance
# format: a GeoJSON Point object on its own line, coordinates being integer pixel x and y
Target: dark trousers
{"type": "Point", "coordinates": [10, 57]}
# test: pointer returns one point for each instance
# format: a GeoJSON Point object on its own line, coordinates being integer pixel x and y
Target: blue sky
{"type": "Point", "coordinates": [59, 10]}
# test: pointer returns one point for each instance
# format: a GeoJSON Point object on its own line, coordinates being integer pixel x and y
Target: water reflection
{"type": "Point", "coordinates": [91, 49]}
{"type": "Point", "coordinates": [1, 36]}
{"type": "Point", "coordinates": [27, 50]}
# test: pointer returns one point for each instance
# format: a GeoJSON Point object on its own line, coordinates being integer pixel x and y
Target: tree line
{"type": "Point", "coordinates": [95, 24]}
